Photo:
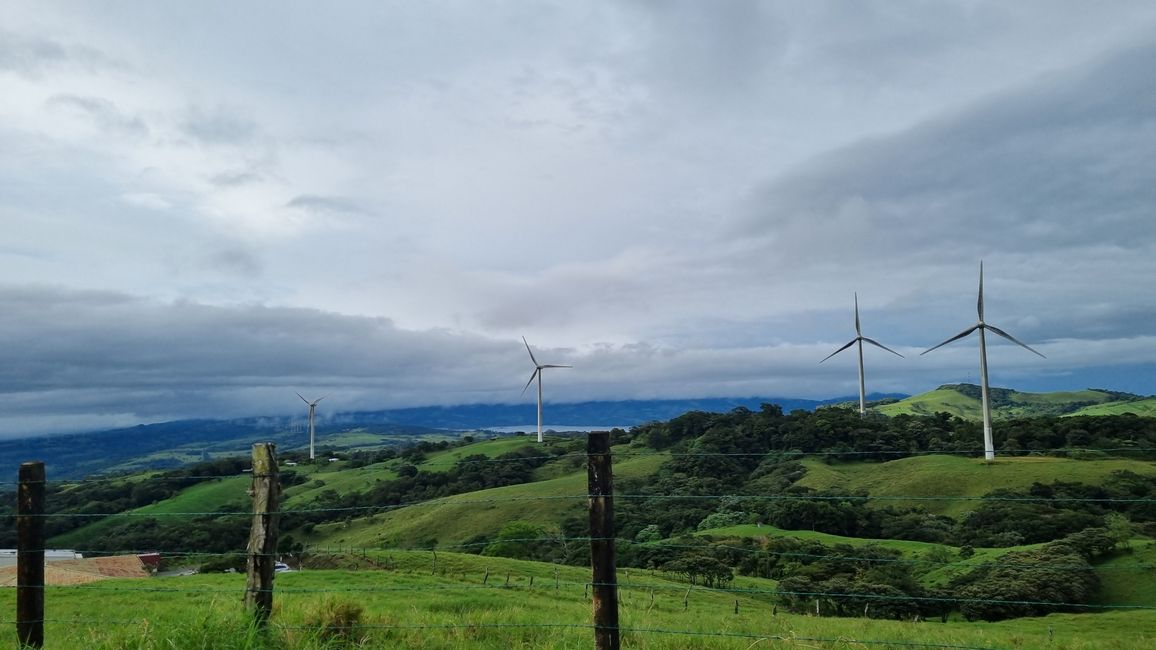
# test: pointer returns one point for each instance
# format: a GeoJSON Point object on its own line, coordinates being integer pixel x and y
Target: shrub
{"type": "Point", "coordinates": [337, 623]}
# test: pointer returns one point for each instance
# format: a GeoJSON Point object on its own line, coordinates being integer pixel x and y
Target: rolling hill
{"type": "Point", "coordinates": [963, 400]}
{"type": "Point", "coordinates": [1142, 407]}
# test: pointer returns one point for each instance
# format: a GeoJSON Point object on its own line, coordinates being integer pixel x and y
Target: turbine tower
{"type": "Point", "coordinates": [859, 339]}
{"type": "Point", "coordinates": [538, 374]}
{"type": "Point", "coordinates": [988, 443]}
{"type": "Point", "coordinates": [312, 412]}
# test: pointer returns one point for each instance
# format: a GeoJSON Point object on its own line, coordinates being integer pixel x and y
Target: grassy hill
{"type": "Point", "coordinates": [1142, 407]}
{"type": "Point", "coordinates": [225, 493]}
{"type": "Point", "coordinates": [964, 401]}
{"type": "Point", "coordinates": [455, 519]}
{"type": "Point", "coordinates": [950, 484]}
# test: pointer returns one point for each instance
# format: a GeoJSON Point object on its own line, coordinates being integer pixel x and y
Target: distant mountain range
{"type": "Point", "coordinates": [170, 444]}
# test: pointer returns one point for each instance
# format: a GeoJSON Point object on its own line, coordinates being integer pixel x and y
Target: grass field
{"type": "Point", "coordinates": [209, 496]}
{"type": "Point", "coordinates": [932, 402]}
{"type": "Point", "coordinates": [936, 482]}
{"type": "Point", "coordinates": [215, 494]}
{"type": "Point", "coordinates": [1144, 407]}
{"type": "Point", "coordinates": [457, 518]}
{"type": "Point", "coordinates": [416, 603]}
{"type": "Point", "coordinates": [947, 400]}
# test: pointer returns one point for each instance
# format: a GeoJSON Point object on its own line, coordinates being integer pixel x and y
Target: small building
{"type": "Point", "coordinates": [81, 571]}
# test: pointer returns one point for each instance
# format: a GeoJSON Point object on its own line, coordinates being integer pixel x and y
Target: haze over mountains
{"type": "Point", "coordinates": [170, 444]}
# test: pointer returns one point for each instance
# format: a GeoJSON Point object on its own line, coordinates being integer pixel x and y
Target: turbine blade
{"type": "Point", "coordinates": [954, 338]}
{"type": "Point", "coordinates": [1012, 339]}
{"type": "Point", "coordinates": [532, 376]}
{"type": "Point", "coordinates": [849, 344]}
{"type": "Point", "coordinates": [858, 332]}
{"type": "Point", "coordinates": [879, 345]}
{"type": "Point", "coordinates": [531, 353]}
{"type": "Point", "coordinates": [323, 397]}
{"type": "Point", "coordinates": [553, 366]}
{"type": "Point", "coordinates": [301, 396]}
{"type": "Point", "coordinates": [979, 303]}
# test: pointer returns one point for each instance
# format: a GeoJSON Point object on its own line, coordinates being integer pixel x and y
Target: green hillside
{"type": "Point", "coordinates": [1142, 407]}
{"type": "Point", "coordinates": [936, 482]}
{"type": "Point", "coordinates": [964, 400]}
{"type": "Point", "coordinates": [226, 493]}
{"type": "Point", "coordinates": [455, 519]}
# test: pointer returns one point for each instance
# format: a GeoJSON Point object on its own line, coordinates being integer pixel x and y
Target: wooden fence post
{"type": "Point", "coordinates": [30, 556]}
{"type": "Point", "coordinates": [263, 533]}
{"type": "Point", "coordinates": [602, 557]}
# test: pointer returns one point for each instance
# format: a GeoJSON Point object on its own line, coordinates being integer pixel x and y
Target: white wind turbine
{"type": "Point", "coordinates": [538, 374]}
{"type": "Point", "coordinates": [988, 443]}
{"type": "Point", "coordinates": [860, 339]}
{"type": "Point", "coordinates": [312, 412]}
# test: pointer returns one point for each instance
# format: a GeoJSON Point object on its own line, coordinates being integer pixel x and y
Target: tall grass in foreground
{"type": "Point", "coordinates": [408, 606]}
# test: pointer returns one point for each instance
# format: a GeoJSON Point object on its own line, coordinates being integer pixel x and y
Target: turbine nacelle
{"type": "Point", "coordinates": [860, 339]}
{"type": "Point", "coordinates": [981, 325]}
{"type": "Point", "coordinates": [988, 441]}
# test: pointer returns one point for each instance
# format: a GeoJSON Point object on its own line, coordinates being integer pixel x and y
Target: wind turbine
{"type": "Point", "coordinates": [988, 443]}
{"type": "Point", "coordinates": [538, 374]}
{"type": "Point", "coordinates": [859, 339]}
{"type": "Point", "coordinates": [312, 412]}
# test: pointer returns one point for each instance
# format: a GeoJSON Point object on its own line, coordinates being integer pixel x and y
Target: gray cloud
{"type": "Point", "coordinates": [678, 198]}
{"type": "Point", "coordinates": [103, 113]}
{"type": "Point", "coordinates": [235, 260]}
{"type": "Point", "coordinates": [219, 126]}
{"type": "Point", "coordinates": [35, 55]}
{"type": "Point", "coordinates": [110, 357]}
{"type": "Point", "coordinates": [326, 205]}
{"type": "Point", "coordinates": [235, 178]}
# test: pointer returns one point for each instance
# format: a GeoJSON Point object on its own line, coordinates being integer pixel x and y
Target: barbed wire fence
{"type": "Point", "coordinates": [602, 590]}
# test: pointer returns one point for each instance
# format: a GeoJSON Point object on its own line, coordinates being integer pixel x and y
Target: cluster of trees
{"type": "Point", "coordinates": [1055, 577]}
{"type": "Point", "coordinates": [842, 435]}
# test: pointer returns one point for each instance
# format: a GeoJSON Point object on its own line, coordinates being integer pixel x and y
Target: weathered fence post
{"type": "Point", "coordinates": [602, 558]}
{"type": "Point", "coordinates": [30, 556]}
{"type": "Point", "coordinates": [263, 533]}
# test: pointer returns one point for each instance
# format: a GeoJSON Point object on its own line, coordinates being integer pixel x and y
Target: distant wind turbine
{"type": "Point", "coordinates": [988, 443]}
{"type": "Point", "coordinates": [538, 374]}
{"type": "Point", "coordinates": [859, 339]}
{"type": "Point", "coordinates": [312, 412]}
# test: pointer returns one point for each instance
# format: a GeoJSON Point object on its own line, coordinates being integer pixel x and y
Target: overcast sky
{"type": "Point", "coordinates": [208, 206]}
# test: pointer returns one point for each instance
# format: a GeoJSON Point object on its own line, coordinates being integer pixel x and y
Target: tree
{"type": "Point", "coordinates": [517, 539]}
{"type": "Point", "coordinates": [1120, 529]}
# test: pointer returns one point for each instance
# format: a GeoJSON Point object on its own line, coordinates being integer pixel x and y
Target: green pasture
{"type": "Point", "coordinates": [206, 497]}
{"type": "Point", "coordinates": [935, 481]}
{"type": "Point", "coordinates": [414, 600]}
{"type": "Point", "coordinates": [442, 461]}
{"type": "Point", "coordinates": [1130, 576]}
{"type": "Point", "coordinates": [941, 400]}
{"type": "Point", "coordinates": [947, 400]}
{"type": "Point", "coordinates": [1144, 407]}
{"type": "Point", "coordinates": [455, 519]}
